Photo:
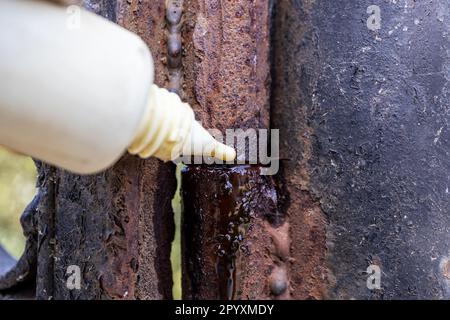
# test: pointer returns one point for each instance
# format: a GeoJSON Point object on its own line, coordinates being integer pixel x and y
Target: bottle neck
{"type": "Point", "coordinates": [165, 126]}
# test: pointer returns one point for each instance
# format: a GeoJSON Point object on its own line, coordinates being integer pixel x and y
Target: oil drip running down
{"type": "Point", "coordinates": [219, 205]}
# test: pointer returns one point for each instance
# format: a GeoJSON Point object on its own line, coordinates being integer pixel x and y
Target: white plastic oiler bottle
{"type": "Point", "coordinates": [79, 96]}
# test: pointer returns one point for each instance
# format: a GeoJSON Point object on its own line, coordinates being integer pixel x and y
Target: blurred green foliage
{"type": "Point", "coordinates": [17, 188]}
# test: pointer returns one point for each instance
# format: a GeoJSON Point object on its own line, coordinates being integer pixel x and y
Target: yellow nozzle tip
{"type": "Point", "coordinates": [224, 152]}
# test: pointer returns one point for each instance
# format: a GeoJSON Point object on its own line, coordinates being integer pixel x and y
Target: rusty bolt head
{"type": "Point", "coordinates": [278, 281]}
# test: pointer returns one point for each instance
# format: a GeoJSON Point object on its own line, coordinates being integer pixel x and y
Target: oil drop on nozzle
{"type": "Point", "coordinates": [87, 95]}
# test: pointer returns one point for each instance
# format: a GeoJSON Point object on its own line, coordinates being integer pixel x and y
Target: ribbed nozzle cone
{"type": "Point", "coordinates": [201, 143]}
{"type": "Point", "coordinates": [169, 130]}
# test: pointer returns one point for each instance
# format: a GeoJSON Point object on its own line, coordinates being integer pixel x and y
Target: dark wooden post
{"type": "Point", "coordinates": [363, 111]}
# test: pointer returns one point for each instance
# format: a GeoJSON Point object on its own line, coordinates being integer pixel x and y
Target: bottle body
{"type": "Point", "coordinates": [73, 97]}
